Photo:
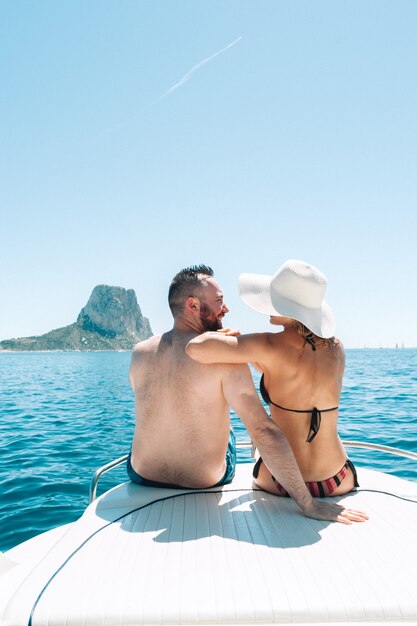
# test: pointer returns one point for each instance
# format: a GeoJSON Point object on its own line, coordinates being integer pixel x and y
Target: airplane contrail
{"type": "Point", "coordinates": [196, 67]}
{"type": "Point", "coordinates": [174, 87]}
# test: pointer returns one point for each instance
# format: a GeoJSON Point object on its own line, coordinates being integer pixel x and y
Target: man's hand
{"type": "Point", "coordinates": [229, 332]}
{"type": "Point", "coordinates": [333, 512]}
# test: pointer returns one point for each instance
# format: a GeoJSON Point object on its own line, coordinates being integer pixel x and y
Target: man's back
{"type": "Point", "coordinates": [182, 418]}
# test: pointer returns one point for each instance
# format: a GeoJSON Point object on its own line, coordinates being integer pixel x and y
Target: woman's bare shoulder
{"type": "Point", "coordinates": [272, 346]}
{"type": "Point", "coordinates": [265, 340]}
{"type": "Point", "coordinates": [338, 345]}
{"type": "Point", "coordinates": [339, 352]}
{"type": "Point", "coordinates": [257, 347]}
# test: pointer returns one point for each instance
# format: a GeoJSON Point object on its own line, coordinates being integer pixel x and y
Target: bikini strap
{"type": "Point", "coordinates": [315, 423]}
{"type": "Point", "coordinates": [315, 420]}
{"type": "Point", "coordinates": [309, 338]}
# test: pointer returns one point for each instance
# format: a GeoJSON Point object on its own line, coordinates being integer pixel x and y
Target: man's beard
{"type": "Point", "coordinates": [208, 320]}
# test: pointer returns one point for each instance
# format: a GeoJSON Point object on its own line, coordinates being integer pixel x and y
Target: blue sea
{"type": "Point", "coordinates": [62, 415]}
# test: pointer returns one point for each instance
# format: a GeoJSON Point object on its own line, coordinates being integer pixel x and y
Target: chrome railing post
{"type": "Point", "coordinates": [102, 470]}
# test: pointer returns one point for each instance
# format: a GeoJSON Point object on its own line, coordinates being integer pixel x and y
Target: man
{"type": "Point", "coordinates": [182, 436]}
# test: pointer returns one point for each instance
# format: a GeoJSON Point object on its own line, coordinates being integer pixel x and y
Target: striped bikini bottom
{"type": "Point", "coordinates": [320, 488]}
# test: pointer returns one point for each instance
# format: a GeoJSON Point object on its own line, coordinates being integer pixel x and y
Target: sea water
{"type": "Point", "coordinates": [62, 415]}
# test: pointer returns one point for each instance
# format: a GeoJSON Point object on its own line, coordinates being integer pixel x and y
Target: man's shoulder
{"type": "Point", "coordinates": [148, 345]}
{"type": "Point", "coordinates": [142, 353]}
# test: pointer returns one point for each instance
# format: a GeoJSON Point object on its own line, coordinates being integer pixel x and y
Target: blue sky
{"type": "Point", "coordinates": [141, 137]}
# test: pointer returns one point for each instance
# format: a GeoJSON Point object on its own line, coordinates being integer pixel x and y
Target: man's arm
{"type": "Point", "coordinates": [240, 394]}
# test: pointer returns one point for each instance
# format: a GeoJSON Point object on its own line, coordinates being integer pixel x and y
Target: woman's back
{"type": "Point", "coordinates": [300, 379]}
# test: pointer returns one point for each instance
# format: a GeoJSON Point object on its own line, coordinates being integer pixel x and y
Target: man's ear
{"type": "Point", "coordinates": [192, 304]}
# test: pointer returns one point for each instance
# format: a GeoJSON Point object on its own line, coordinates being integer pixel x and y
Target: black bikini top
{"type": "Point", "coordinates": [315, 413]}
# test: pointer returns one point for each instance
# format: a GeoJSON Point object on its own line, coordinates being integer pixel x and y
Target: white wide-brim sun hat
{"type": "Point", "coordinates": [296, 290]}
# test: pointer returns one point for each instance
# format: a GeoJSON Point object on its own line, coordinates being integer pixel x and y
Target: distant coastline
{"type": "Point", "coordinates": [110, 321]}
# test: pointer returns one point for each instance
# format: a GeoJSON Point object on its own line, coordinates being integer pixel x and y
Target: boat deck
{"type": "Point", "coordinates": [228, 555]}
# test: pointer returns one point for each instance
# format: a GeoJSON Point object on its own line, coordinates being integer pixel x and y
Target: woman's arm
{"type": "Point", "coordinates": [217, 347]}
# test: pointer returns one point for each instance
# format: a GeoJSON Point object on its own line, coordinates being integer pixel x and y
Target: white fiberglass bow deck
{"type": "Point", "coordinates": [229, 555]}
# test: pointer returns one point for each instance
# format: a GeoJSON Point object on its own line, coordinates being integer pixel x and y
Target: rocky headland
{"type": "Point", "coordinates": [111, 320]}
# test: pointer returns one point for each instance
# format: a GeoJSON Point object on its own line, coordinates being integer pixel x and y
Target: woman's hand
{"type": "Point", "coordinates": [229, 332]}
{"type": "Point", "coordinates": [333, 512]}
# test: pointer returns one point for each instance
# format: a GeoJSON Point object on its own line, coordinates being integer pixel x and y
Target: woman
{"type": "Point", "coordinates": [302, 370]}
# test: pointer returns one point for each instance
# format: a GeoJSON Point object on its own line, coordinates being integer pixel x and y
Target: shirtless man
{"type": "Point", "coordinates": [182, 435]}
